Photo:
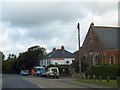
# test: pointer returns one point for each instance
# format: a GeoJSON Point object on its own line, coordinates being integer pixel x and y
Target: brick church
{"type": "Point", "coordinates": [100, 46]}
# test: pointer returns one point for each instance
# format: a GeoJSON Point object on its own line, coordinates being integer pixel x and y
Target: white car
{"type": "Point", "coordinates": [24, 72]}
{"type": "Point", "coordinates": [52, 72]}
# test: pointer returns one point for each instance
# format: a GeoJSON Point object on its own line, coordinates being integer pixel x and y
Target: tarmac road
{"type": "Point", "coordinates": [16, 81]}
{"type": "Point", "coordinates": [31, 82]}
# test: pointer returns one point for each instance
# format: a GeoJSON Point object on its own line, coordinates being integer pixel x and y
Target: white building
{"type": "Point", "coordinates": [58, 56]}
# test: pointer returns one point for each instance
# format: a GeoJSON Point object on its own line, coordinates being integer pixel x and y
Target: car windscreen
{"type": "Point", "coordinates": [39, 69]}
{"type": "Point", "coordinates": [54, 70]}
{"type": "Point", "coordinates": [25, 70]}
{"type": "Point", "coordinates": [43, 70]}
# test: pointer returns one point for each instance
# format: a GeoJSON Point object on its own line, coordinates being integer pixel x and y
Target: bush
{"type": "Point", "coordinates": [104, 71]}
{"type": "Point", "coordinates": [65, 67]}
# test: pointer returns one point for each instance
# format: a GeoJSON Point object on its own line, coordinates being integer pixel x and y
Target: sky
{"type": "Point", "coordinates": [24, 24]}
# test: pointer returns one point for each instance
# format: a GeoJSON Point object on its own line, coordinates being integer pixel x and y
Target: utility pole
{"type": "Point", "coordinates": [78, 27]}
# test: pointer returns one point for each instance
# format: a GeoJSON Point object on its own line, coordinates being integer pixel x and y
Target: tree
{"type": "Point", "coordinates": [3, 57]}
{"type": "Point", "coordinates": [8, 65]}
{"type": "Point", "coordinates": [31, 57]}
{"type": "Point", "coordinates": [11, 57]}
{"type": "Point", "coordinates": [27, 59]}
{"type": "Point", "coordinates": [75, 65]}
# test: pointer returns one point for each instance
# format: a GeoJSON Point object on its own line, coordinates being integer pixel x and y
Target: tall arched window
{"type": "Point", "coordinates": [112, 59]}
{"type": "Point", "coordinates": [96, 58]}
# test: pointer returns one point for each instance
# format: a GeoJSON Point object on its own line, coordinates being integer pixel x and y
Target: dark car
{"type": "Point", "coordinates": [39, 71]}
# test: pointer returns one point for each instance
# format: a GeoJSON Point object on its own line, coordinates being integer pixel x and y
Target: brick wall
{"type": "Point", "coordinates": [111, 53]}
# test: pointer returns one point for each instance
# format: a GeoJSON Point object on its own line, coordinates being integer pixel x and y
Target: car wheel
{"type": "Point", "coordinates": [57, 77]}
{"type": "Point", "coordinates": [49, 76]}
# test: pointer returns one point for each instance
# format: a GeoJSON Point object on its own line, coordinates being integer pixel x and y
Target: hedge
{"type": "Point", "coordinates": [65, 67]}
{"type": "Point", "coordinates": [104, 70]}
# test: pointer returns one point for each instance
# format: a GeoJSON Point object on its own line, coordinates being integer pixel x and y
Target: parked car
{"type": "Point", "coordinates": [24, 72]}
{"type": "Point", "coordinates": [39, 71]}
{"type": "Point", "coordinates": [52, 72]}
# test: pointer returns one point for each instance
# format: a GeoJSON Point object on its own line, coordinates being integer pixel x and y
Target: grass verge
{"type": "Point", "coordinates": [112, 83]}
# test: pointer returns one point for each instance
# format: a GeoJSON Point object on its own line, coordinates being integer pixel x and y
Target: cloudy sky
{"type": "Point", "coordinates": [50, 24]}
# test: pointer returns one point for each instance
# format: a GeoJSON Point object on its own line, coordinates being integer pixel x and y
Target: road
{"type": "Point", "coordinates": [51, 83]}
{"type": "Point", "coordinates": [16, 81]}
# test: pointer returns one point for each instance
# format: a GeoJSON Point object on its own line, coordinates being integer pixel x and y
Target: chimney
{"type": "Point", "coordinates": [54, 49]}
{"type": "Point", "coordinates": [62, 48]}
{"type": "Point", "coordinates": [92, 25]}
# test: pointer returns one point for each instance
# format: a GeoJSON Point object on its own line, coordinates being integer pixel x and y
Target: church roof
{"type": "Point", "coordinates": [108, 35]}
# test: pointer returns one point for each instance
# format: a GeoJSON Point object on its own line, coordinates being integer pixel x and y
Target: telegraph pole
{"type": "Point", "coordinates": [78, 27]}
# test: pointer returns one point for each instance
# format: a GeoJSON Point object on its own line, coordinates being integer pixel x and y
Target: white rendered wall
{"type": "Point", "coordinates": [46, 62]}
{"type": "Point", "coordinates": [62, 61]}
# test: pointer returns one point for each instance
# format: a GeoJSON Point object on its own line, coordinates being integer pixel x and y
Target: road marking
{"type": "Point", "coordinates": [39, 86]}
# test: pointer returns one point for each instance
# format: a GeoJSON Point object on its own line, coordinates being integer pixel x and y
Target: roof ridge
{"type": "Point", "coordinates": [106, 27]}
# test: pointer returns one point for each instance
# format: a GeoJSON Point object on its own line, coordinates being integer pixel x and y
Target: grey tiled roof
{"type": "Point", "coordinates": [59, 54]}
{"type": "Point", "coordinates": [108, 35]}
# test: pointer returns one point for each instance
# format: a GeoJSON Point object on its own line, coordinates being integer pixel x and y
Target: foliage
{"type": "Point", "coordinates": [112, 83]}
{"type": "Point", "coordinates": [31, 57]}
{"type": "Point", "coordinates": [75, 65]}
{"type": "Point", "coordinates": [64, 69]}
{"type": "Point", "coordinates": [27, 59]}
{"type": "Point", "coordinates": [3, 57]}
{"type": "Point", "coordinates": [11, 56]}
{"type": "Point", "coordinates": [104, 71]}
{"type": "Point", "coordinates": [7, 66]}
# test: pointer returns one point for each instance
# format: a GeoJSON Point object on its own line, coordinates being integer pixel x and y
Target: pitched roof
{"type": "Point", "coordinates": [58, 53]}
{"type": "Point", "coordinates": [108, 35]}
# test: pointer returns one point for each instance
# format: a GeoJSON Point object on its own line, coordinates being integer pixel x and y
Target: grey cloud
{"type": "Point", "coordinates": [100, 8]}
{"type": "Point", "coordinates": [27, 14]}
{"type": "Point", "coordinates": [42, 33]}
{"type": "Point", "coordinates": [48, 32]}
{"type": "Point", "coordinates": [45, 23]}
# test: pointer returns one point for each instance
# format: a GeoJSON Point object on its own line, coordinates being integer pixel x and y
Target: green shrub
{"type": "Point", "coordinates": [104, 71]}
{"type": "Point", "coordinates": [65, 67]}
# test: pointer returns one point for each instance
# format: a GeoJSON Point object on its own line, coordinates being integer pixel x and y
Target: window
{"type": "Point", "coordinates": [85, 56]}
{"type": "Point", "coordinates": [54, 70]}
{"type": "Point", "coordinates": [112, 59]}
{"type": "Point", "coordinates": [96, 59]}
